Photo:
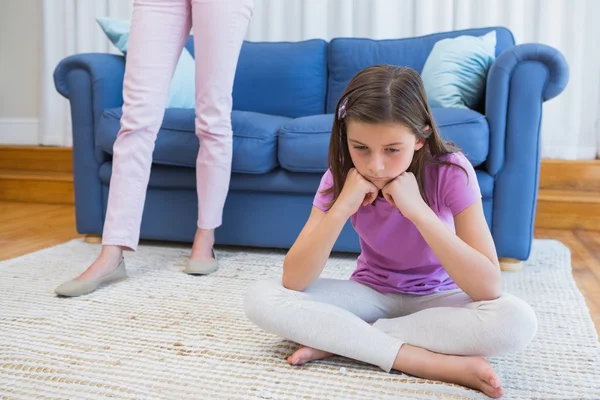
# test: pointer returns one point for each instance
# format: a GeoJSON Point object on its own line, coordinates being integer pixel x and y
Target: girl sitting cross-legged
{"type": "Point", "coordinates": [425, 297]}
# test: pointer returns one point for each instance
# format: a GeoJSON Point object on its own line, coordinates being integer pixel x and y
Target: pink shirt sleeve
{"type": "Point", "coordinates": [456, 191]}
{"type": "Point", "coordinates": [321, 200]}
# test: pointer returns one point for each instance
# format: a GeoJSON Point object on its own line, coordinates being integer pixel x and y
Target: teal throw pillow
{"type": "Point", "coordinates": [182, 92]}
{"type": "Point", "coordinates": [455, 72]}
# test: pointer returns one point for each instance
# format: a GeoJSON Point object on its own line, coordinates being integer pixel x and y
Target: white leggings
{"type": "Point", "coordinates": [336, 315]}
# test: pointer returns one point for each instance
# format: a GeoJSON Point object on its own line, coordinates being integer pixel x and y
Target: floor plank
{"type": "Point", "coordinates": [36, 158]}
{"type": "Point", "coordinates": [27, 227]}
{"type": "Point", "coordinates": [50, 187]}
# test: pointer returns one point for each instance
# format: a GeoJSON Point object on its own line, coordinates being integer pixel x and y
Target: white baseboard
{"type": "Point", "coordinates": [573, 152]}
{"type": "Point", "coordinates": [19, 131]}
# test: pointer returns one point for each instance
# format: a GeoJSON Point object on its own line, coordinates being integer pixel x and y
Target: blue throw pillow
{"type": "Point", "coordinates": [455, 72]}
{"type": "Point", "coordinates": [182, 92]}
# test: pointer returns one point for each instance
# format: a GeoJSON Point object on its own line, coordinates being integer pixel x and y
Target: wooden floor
{"type": "Point", "coordinates": [27, 227]}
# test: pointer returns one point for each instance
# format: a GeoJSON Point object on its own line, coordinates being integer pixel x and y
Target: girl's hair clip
{"type": "Point", "coordinates": [342, 109]}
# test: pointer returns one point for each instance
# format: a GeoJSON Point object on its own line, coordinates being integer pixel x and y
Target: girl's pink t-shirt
{"type": "Point", "coordinates": [394, 256]}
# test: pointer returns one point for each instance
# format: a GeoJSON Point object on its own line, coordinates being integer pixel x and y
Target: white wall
{"type": "Point", "coordinates": [20, 52]}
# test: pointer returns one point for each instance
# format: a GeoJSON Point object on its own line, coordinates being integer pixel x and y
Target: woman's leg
{"type": "Point", "coordinates": [440, 330]}
{"type": "Point", "coordinates": [159, 29]}
{"type": "Point", "coordinates": [333, 316]}
{"type": "Point", "coordinates": [219, 30]}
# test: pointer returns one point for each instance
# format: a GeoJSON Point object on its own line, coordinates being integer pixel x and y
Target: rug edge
{"type": "Point", "coordinates": [42, 250]}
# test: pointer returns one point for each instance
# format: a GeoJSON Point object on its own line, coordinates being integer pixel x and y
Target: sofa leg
{"type": "Point", "coordinates": [93, 239]}
{"type": "Point", "coordinates": [510, 264]}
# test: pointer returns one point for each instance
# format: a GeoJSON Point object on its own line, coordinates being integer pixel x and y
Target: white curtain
{"type": "Point", "coordinates": [69, 27]}
{"type": "Point", "coordinates": [571, 124]}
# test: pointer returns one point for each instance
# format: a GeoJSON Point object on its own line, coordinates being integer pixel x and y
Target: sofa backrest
{"type": "Point", "coordinates": [347, 56]}
{"type": "Point", "coordinates": [282, 78]}
{"type": "Point", "coordinates": [297, 79]}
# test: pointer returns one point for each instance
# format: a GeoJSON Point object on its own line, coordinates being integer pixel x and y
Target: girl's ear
{"type": "Point", "coordinates": [420, 143]}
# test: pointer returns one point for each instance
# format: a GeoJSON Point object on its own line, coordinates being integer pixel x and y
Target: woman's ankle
{"type": "Point", "coordinates": [202, 248]}
{"type": "Point", "coordinates": [111, 253]}
{"type": "Point", "coordinates": [205, 233]}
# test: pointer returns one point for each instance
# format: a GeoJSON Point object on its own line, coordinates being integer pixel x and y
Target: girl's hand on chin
{"type": "Point", "coordinates": [403, 193]}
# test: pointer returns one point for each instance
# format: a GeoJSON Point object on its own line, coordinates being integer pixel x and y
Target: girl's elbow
{"type": "Point", "coordinates": [488, 293]}
{"type": "Point", "coordinates": [493, 289]}
{"type": "Point", "coordinates": [486, 297]}
{"type": "Point", "coordinates": [496, 291]}
{"type": "Point", "coordinates": [291, 284]}
{"type": "Point", "coordinates": [289, 281]}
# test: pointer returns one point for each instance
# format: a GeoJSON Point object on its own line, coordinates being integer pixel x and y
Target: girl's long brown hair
{"type": "Point", "coordinates": [386, 94]}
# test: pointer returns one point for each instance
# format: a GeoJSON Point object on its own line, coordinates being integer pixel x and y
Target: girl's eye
{"type": "Point", "coordinates": [360, 147]}
{"type": "Point", "coordinates": [393, 150]}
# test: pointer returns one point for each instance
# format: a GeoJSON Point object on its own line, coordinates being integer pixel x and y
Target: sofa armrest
{"type": "Point", "coordinates": [521, 79]}
{"type": "Point", "coordinates": [104, 86]}
{"type": "Point", "coordinates": [92, 83]}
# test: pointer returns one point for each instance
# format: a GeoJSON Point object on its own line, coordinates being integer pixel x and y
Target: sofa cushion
{"type": "Point", "coordinates": [347, 56]}
{"type": "Point", "coordinates": [181, 93]}
{"type": "Point", "coordinates": [304, 142]}
{"type": "Point", "coordinates": [282, 78]}
{"type": "Point", "coordinates": [455, 72]}
{"type": "Point", "coordinates": [279, 78]}
{"type": "Point", "coordinates": [276, 181]}
{"type": "Point", "coordinates": [254, 139]}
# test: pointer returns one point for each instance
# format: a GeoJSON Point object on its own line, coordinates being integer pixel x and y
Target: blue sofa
{"type": "Point", "coordinates": [284, 98]}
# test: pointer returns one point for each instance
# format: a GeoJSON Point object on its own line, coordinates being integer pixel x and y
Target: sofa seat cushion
{"type": "Point", "coordinates": [304, 142]}
{"type": "Point", "coordinates": [254, 139]}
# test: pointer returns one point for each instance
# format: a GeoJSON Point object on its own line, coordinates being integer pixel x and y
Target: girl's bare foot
{"type": "Point", "coordinates": [305, 354]}
{"type": "Point", "coordinates": [473, 372]}
{"type": "Point", "coordinates": [107, 262]}
{"type": "Point", "coordinates": [203, 245]}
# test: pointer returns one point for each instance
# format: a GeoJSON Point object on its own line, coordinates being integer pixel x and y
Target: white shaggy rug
{"type": "Point", "coordinates": [166, 335]}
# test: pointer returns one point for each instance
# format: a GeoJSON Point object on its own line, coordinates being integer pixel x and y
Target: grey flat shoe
{"type": "Point", "coordinates": [194, 267]}
{"type": "Point", "coordinates": [78, 287]}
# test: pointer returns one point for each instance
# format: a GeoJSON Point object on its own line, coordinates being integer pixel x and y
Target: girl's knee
{"type": "Point", "coordinates": [261, 297]}
{"type": "Point", "coordinates": [516, 326]}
